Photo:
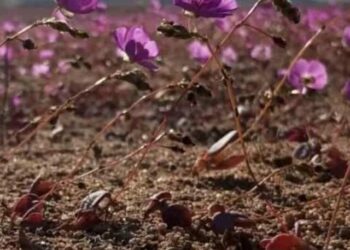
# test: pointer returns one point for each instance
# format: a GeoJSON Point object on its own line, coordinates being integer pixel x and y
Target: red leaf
{"type": "Point", "coordinates": [41, 187]}
{"type": "Point", "coordinates": [230, 162]}
{"type": "Point", "coordinates": [285, 242]}
{"type": "Point", "coordinates": [85, 220]}
{"type": "Point", "coordinates": [264, 243]}
{"type": "Point", "coordinates": [34, 219]}
{"type": "Point", "coordinates": [24, 203]}
{"type": "Point", "coordinates": [336, 163]}
{"type": "Point", "coordinates": [297, 134]}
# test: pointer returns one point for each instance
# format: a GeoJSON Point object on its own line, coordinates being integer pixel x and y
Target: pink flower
{"type": "Point", "coordinates": [135, 45]}
{"type": "Point", "coordinates": [261, 53]}
{"type": "Point", "coordinates": [16, 101]}
{"type": "Point", "coordinates": [6, 51]}
{"type": "Point", "coordinates": [199, 51]}
{"type": "Point", "coordinates": [155, 5]}
{"type": "Point", "coordinates": [346, 37]}
{"type": "Point", "coordinates": [346, 90]}
{"type": "Point", "coordinates": [308, 75]}
{"type": "Point", "coordinates": [42, 69]}
{"type": "Point", "coordinates": [315, 18]}
{"type": "Point", "coordinates": [229, 56]}
{"type": "Point", "coordinates": [224, 24]}
{"type": "Point", "coordinates": [101, 7]}
{"type": "Point", "coordinates": [79, 6]}
{"type": "Point", "coordinates": [9, 26]}
{"type": "Point", "coordinates": [46, 54]}
{"type": "Point", "coordinates": [208, 8]}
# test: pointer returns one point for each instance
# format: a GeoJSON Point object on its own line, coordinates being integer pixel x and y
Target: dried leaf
{"type": "Point", "coordinates": [137, 78]}
{"type": "Point", "coordinates": [285, 242]}
{"type": "Point", "coordinates": [41, 187]}
{"type": "Point", "coordinates": [177, 216]}
{"type": "Point", "coordinates": [66, 28]}
{"type": "Point", "coordinates": [288, 10]}
{"type": "Point", "coordinates": [229, 163]}
{"type": "Point", "coordinates": [169, 29]}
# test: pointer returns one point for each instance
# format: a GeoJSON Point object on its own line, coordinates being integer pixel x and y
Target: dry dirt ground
{"type": "Point", "coordinates": [288, 196]}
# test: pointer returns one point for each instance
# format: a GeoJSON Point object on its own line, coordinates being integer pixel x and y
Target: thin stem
{"type": "Point", "coordinates": [257, 29]}
{"type": "Point", "coordinates": [3, 112]}
{"type": "Point", "coordinates": [336, 209]}
{"type": "Point", "coordinates": [22, 31]}
{"type": "Point", "coordinates": [233, 102]}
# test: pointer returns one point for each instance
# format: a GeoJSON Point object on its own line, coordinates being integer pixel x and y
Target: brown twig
{"type": "Point", "coordinates": [22, 31]}
{"type": "Point", "coordinates": [336, 209]}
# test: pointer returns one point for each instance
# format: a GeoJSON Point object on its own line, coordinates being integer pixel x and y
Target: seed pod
{"type": "Point", "coordinates": [279, 41]}
{"type": "Point", "coordinates": [288, 10]}
{"type": "Point", "coordinates": [169, 29]}
{"type": "Point", "coordinates": [137, 78]}
{"type": "Point", "coordinates": [40, 186]}
{"type": "Point", "coordinates": [28, 44]}
{"type": "Point", "coordinates": [228, 220]}
{"type": "Point", "coordinates": [177, 215]}
{"type": "Point", "coordinates": [98, 200]}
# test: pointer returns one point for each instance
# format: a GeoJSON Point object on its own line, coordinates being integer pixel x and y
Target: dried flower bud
{"type": "Point", "coordinates": [279, 41]}
{"type": "Point", "coordinates": [169, 29]}
{"type": "Point", "coordinates": [66, 28]}
{"type": "Point", "coordinates": [288, 10]}
{"type": "Point", "coordinates": [137, 78]}
{"type": "Point", "coordinates": [28, 44]}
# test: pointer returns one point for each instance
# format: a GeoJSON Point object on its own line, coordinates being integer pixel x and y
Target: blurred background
{"type": "Point", "coordinates": [15, 3]}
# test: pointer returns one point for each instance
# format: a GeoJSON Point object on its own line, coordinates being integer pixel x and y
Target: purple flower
{"type": "Point", "coordinates": [224, 24]}
{"type": "Point", "coordinates": [42, 69]}
{"type": "Point", "coordinates": [208, 8]}
{"type": "Point", "coordinates": [346, 37]}
{"type": "Point", "coordinates": [308, 74]}
{"type": "Point", "coordinates": [79, 6]}
{"type": "Point", "coordinates": [155, 5]}
{"type": "Point", "coordinates": [101, 6]}
{"type": "Point", "coordinates": [16, 101]}
{"type": "Point", "coordinates": [136, 46]}
{"type": "Point", "coordinates": [9, 26]}
{"type": "Point", "coordinates": [6, 51]}
{"type": "Point", "coordinates": [261, 53]}
{"type": "Point", "coordinates": [46, 54]}
{"type": "Point", "coordinates": [229, 56]}
{"type": "Point", "coordinates": [199, 51]}
{"type": "Point", "coordinates": [315, 18]}
{"type": "Point", "coordinates": [346, 90]}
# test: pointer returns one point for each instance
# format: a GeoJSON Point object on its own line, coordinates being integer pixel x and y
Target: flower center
{"type": "Point", "coordinates": [308, 80]}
